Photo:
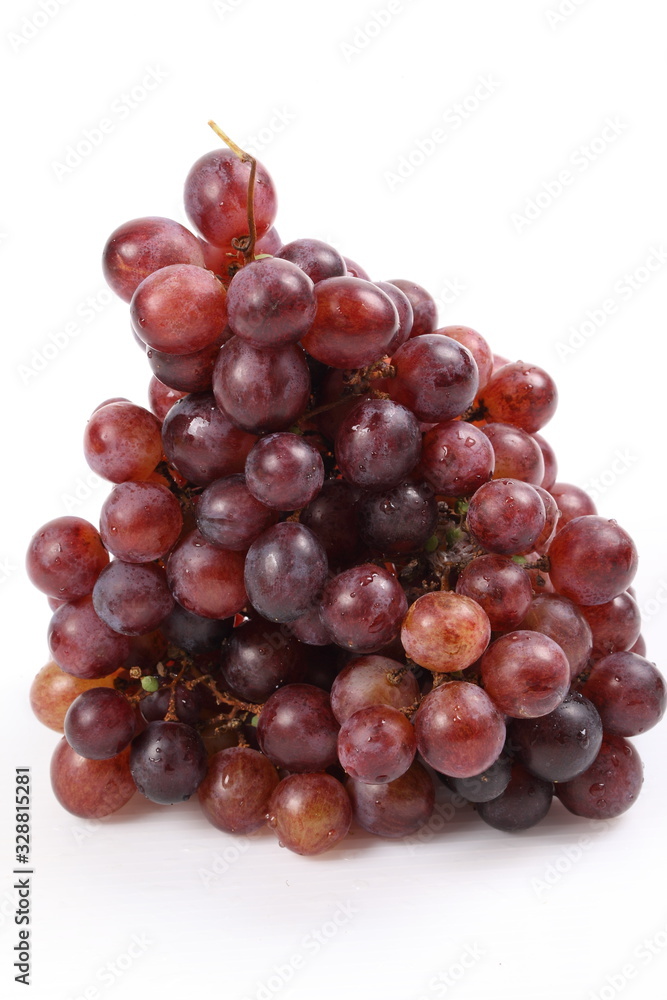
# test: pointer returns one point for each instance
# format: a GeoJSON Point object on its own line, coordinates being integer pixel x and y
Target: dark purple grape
{"type": "Point", "coordinates": [168, 762]}
{"type": "Point", "coordinates": [628, 691]}
{"type": "Point", "coordinates": [297, 729]}
{"type": "Point", "coordinates": [460, 732]}
{"type": "Point", "coordinates": [284, 472]}
{"type": "Point", "coordinates": [332, 517]}
{"type": "Point", "coordinates": [270, 303]}
{"type": "Point", "coordinates": [261, 390]}
{"type": "Point", "coordinates": [485, 786]}
{"type": "Point", "coordinates": [309, 813]}
{"type": "Point", "coordinates": [609, 786]}
{"type": "Point", "coordinates": [363, 607]}
{"type": "Point", "coordinates": [141, 246]}
{"type": "Point", "coordinates": [376, 744]}
{"type": "Point", "coordinates": [524, 803]}
{"type": "Point", "coordinates": [377, 444]}
{"type": "Point", "coordinates": [317, 259]}
{"type": "Point", "coordinates": [201, 442]}
{"type": "Point", "coordinates": [398, 521]}
{"type": "Point", "coordinates": [193, 633]}
{"type": "Point", "coordinates": [100, 723]}
{"type": "Point", "coordinates": [562, 744]}
{"type": "Point", "coordinates": [187, 704]}
{"type": "Point", "coordinates": [132, 598]}
{"type": "Point", "coordinates": [228, 515]}
{"type": "Point", "coordinates": [235, 793]}
{"type": "Point", "coordinates": [65, 557]}
{"type": "Point", "coordinates": [395, 808]}
{"type": "Point", "coordinates": [258, 659]}
{"type": "Point", "coordinates": [285, 570]}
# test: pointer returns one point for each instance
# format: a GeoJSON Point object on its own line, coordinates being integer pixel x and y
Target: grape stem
{"type": "Point", "coordinates": [245, 244]}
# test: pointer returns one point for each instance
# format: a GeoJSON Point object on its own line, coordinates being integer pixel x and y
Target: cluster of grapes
{"type": "Point", "coordinates": [341, 561]}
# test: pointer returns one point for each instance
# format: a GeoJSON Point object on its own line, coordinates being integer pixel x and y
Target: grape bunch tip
{"type": "Point", "coordinates": [335, 566]}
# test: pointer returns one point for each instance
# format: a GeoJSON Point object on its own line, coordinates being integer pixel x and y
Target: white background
{"type": "Point", "coordinates": [156, 895]}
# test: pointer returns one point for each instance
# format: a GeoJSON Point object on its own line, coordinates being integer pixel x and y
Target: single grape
{"type": "Point", "coordinates": [258, 659]}
{"type": "Point", "coordinates": [372, 680]}
{"type": "Point", "coordinates": [615, 625]}
{"type": "Point", "coordinates": [506, 517]}
{"type": "Point", "coordinates": [206, 580]}
{"type": "Point", "coordinates": [572, 502]}
{"type": "Point", "coordinates": [423, 306]}
{"type": "Point", "coordinates": [284, 472]}
{"type": "Point", "coordinates": [456, 458]}
{"type": "Point", "coordinates": [142, 246]}
{"type": "Point", "coordinates": [179, 309]}
{"type": "Point", "coordinates": [522, 395]}
{"type": "Point", "coordinates": [500, 586]}
{"type": "Point", "coordinates": [100, 723]}
{"type": "Point", "coordinates": [376, 744]}
{"type": "Point", "coordinates": [363, 607]}
{"type": "Point", "coordinates": [477, 346]}
{"type": "Point", "coordinates": [316, 259]}
{"type": "Point", "coordinates": [285, 570]}
{"type": "Point", "coordinates": [65, 557]}
{"type": "Point", "coordinates": [436, 377]}
{"type": "Point", "coordinates": [235, 793]}
{"type": "Point", "coordinates": [228, 515]}
{"type": "Point", "coordinates": [354, 323]}
{"type": "Point", "coordinates": [168, 762]}
{"type": "Point", "coordinates": [132, 598]}
{"type": "Point", "coordinates": [460, 732]}
{"type": "Point", "coordinates": [405, 314]}
{"type": "Point", "coordinates": [395, 808]}
{"type": "Point", "coordinates": [187, 372]}
{"type": "Point", "coordinates": [82, 644]}
{"type": "Point", "coordinates": [518, 455]}
{"type": "Point", "coordinates": [309, 813]}
{"type": "Point", "coordinates": [526, 674]}
{"type": "Point", "coordinates": [628, 691]}
{"type": "Point", "coordinates": [162, 397]}
{"type": "Point", "coordinates": [377, 444]}
{"type": "Point", "coordinates": [550, 463]}
{"type": "Point", "coordinates": [609, 786]}
{"type": "Point", "coordinates": [445, 631]}
{"type": "Point", "coordinates": [216, 197]}
{"type": "Point", "coordinates": [270, 303]}
{"type": "Point", "coordinates": [331, 516]}
{"type": "Point", "coordinates": [398, 521]}
{"type": "Point", "coordinates": [488, 785]}
{"type": "Point", "coordinates": [261, 390]}
{"type": "Point", "coordinates": [193, 633]}
{"type": "Point", "coordinates": [297, 729]}
{"type": "Point", "coordinates": [524, 803]}
{"type": "Point", "coordinates": [592, 560]}
{"type": "Point", "coordinates": [87, 788]}
{"type": "Point", "coordinates": [122, 442]}
{"type": "Point", "coordinates": [140, 522]}
{"type": "Point", "coordinates": [201, 442]}
{"type": "Point", "coordinates": [560, 745]}
{"type": "Point", "coordinates": [563, 622]}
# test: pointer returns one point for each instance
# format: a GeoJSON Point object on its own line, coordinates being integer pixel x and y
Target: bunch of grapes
{"type": "Point", "coordinates": [335, 564]}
